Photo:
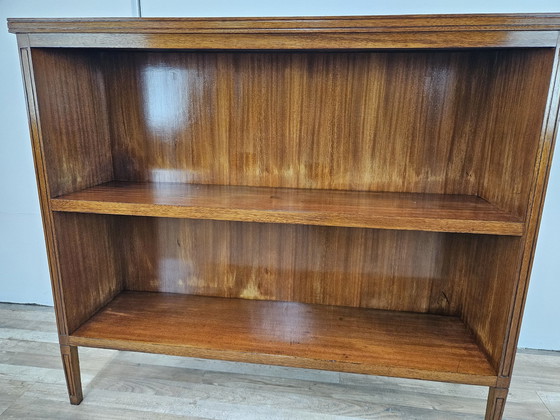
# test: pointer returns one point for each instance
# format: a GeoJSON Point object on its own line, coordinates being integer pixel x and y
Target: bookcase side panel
{"type": "Point", "coordinates": [510, 125]}
{"type": "Point", "coordinates": [90, 269]}
{"type": "Point", "coordinates": [548, 137]}
{"type": "Point", "coordinates": [488, 273]}
{"type": "Point", "coordinates": [74, 119]}
{"type": "Point", "coordinates": [43, 188]}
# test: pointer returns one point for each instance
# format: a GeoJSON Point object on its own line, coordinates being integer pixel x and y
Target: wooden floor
{"type": "Point", "coordinates": [123, 385]}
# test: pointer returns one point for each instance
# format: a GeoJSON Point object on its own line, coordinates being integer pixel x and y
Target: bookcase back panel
{"type": "Point", "coordinates": [453, 122]}
{"type": "Point", "coordinates": [384, 269]}
{"type": "Point", "coordinates": [434, 121]}
{"type": "Point", "coordinates": [336, 266]}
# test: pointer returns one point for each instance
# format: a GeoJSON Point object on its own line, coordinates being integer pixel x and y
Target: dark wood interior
{"type": "Point", "coordinates": [443, 122]}
{"type": "Point", "coordinates": [314, 336]}
{"type": "Point", "coordinates": [405, 211]}
{"type": "Point", "coordinates": [230, 136]}
{"type": "Point", "coordinates": [436, 122]}
{"type": "Point", "coordinates": [423, 272]}
{"type": "Point", "coordinates": [305, 195]}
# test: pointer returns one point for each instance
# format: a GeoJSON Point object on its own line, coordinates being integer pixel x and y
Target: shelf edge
{"type": "Point", "coordinates": [506, 228]}
{"type": "Point", "coordinates": [282, 360]}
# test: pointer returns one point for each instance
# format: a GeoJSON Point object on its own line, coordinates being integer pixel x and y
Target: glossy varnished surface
{"type": "Point", "coordinates": [322, 106]}
{"type": "Point", "coordinates": [549, 134]}
{"type": "Point", "coordinates": [486, 268]}
{"type": "Point", "coordinates": [430, 212]}
{"type": "Point", "coordinates": [401, 23]}
{"type": "Point", "coordinates": [312, 264]}
{"type": "Point", "coordinates": [366, 341]}
{"type": "Point", "coordinates": [89, 272]}
{"type": "Point", "coordinates": [443, 31]}
{"type": "Point", "coordinates": [426, 122]}
{"type": "Point", "coordinates": [74, 122]}
{"type": "Point", "coordinates": [384, 269]}
{"type": "Point", "coordinates": [290, 41]}
{"type": "Point", "coordinates": [436, 122]}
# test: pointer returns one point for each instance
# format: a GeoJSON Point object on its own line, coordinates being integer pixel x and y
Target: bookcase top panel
{"type": "Point", "coordinates": [405, 23]}
{"type": "Point", "coordinates": [346, 32]}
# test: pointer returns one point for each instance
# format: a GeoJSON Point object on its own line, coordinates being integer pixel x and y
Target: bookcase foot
{"type": "Point", "coordinates": [71, 364]}
{"type": "Point", "coordinates": [496, 403]}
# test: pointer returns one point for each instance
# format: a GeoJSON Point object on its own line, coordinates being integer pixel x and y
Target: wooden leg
{"type": "Point", "coordinates": [496, 403]}
{"type": "Point", "coordinates": [71, 365]}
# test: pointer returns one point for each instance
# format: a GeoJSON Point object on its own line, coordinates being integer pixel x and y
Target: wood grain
{"type": "Point", "coordinates": [428, 212]}
{"type": "Point", "coordinates": [509, 166]}
{"type": "Point", "coordinates": [450, 274]}
{"type": "Point", "coordinates": [496, 403]}
{"type": "Point", "coordinates": [334, 338]}
{"type": "Point", "coordinates": [296, 41]}
{"type": "Point", "coordinates": [443, 31]}
{"type": "Point", "coordinates": [74, 120]}
{"type": "Point", "coordinates": [488, 284]}
{"type": "Point", "coordinates": [433, 120]}
{"type": "Point", "coordinates": [71, 365]}
{"type": "Point", "coordinates": [43, 186]}
{"type": "Point", "coordinates": [399, 24]}
{"type": "Point", "coordinates": [89, 272]}
{"type": "Point", "coordinates": [381, 122]}
{"type": "Point", "coordinates": [549, 133]}
{"type": "Point", "coordinates": [336, 266]}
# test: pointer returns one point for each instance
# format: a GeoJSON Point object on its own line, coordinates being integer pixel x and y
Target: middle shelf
{"type": "Point", "coordinates": [379, 210]}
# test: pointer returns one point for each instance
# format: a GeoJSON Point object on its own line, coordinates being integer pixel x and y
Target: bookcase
{"type": "Point", "coordinates": [358, 194]}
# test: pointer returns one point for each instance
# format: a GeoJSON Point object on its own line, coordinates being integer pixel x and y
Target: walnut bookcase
{"type": "Point", "coordinates": [359, 194]}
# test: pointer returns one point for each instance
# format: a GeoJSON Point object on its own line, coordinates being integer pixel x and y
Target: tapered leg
{"type": "Point", "coordinates": [496, 403]}
{"type": "Point", "coordinates": [71, 365]}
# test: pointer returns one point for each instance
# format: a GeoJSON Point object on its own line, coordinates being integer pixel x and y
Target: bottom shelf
{"type": "Point", "coordinates": [387, 343]}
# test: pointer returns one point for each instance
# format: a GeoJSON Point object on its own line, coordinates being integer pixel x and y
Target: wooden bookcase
{"type": "Point", "coordinates": [358, 194]}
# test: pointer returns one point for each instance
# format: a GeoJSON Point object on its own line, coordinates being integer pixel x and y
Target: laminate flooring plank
{"type": "Point", "coordinates": [412, 385]}
{"type": "Point", "coordinates": [24, 359]}
{"type": "Point", "coordinates": [11, 390]}
{"type": "Point", "coordinates": [25, 324]}
{"type": "Point", "coordinates": [28, 335]}
{"type": "Point", "coordinates": [230, 367]}
{"type": "Point", "coordinates": [304, 398]}
{"type": "Point", "coordinates": [28, 359]}
{"type": "Point", "coordinates": [546, 364]}
{"type": "Point", "coordinates": [12, 311]}
{"type": "Point", "coordinates": [50, 402]}
{"type": "Point", "coordinates": [552, 401]}
{"type": "Point", "coordinates": [52, 349]}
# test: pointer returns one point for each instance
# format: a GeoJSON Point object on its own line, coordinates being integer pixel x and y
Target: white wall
{"type": "Point", "coordinates": [24, 275]}
{"type": "Point", "coordinates": [541, 328]}
{"type": "Point", "coordinates": [161, 8]}
{"type": "Point", "coordinates": [23, 268]}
